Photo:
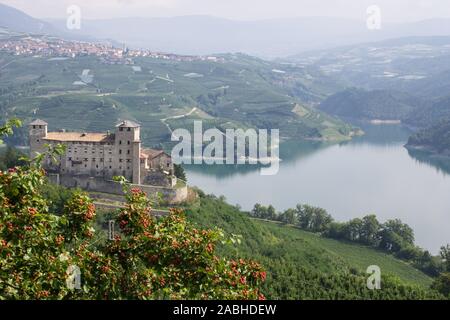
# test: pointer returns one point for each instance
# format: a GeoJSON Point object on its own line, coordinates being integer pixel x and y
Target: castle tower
{"type": "Point", "coordinates": [37, 130]}
{"type": "Point", "coordinates": [128, 144]}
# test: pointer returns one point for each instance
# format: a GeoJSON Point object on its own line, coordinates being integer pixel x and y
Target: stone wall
{"type": "Point", "coordinates": [171, 195]}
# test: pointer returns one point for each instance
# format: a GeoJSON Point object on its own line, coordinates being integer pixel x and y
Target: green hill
{"type": "Point", "coordinates": [303, 265]}
{"type": "Point", "coordinates": [240, 91]}
{"type": "Point", "coordinates": [16, 20]}
{"type": "Point", "coordinates": [369, 105]}
{"type": "Point", "coordinates": [435, 139]}
{"type": "Point", "coordinates": [430, 116]}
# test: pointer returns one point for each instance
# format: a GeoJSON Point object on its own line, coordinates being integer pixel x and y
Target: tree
{"type": "Point", "coordinates": [320, 220]}
{"type": "Point", "coordinates": [289, 216]}
{"type": "Point", "coordinates": [305, 215]}
{"type": "Point", "coordinates": [442, 284]}
{"type": "Point", "coordinates": [352, 230]}
{"type": "Point", "coordinates": [179, 172]}
{"type": "Point", "coordinates": [369, 230]}
{"type": "Point", "coordinates": [258, 211]}
{"type": "Point", "coordinates": [429, 264]}
{"type": "Point", "coordinates": [313, 218]}
{"type": "Point", "coordinates": [42, 254]}
{"type": "Point", "coordinates": [445, 255]}
{"type": "Point", "coordinates": [11, 158]}
{"type": "Point", "coordinates": [271, 213]}
{"type": "Point", "coordinates": [395, 235]}
{"type": "Point", "coordinates": [336, 230]}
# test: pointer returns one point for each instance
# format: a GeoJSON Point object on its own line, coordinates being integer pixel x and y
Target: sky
{"type": "Point", "coordinates": [392, 10]}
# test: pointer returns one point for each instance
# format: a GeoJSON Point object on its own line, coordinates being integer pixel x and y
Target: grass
{"type": "Point", "coordinates": [279, 246]}
{"type": "Point", "coordinates": [241, 92]}
{"type": "Point", "coordinates": [354, 255]}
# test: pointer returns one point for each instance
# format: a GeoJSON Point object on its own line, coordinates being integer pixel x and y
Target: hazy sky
{"type": "Point", "coordinates": [392, 10]}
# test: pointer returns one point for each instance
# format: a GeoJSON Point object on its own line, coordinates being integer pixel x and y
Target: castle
{"type": "Point", "coordinates": [93, 159]}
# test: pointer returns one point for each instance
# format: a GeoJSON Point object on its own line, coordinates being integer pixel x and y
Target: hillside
{"type": "Point", "coordinates": [435, 139]}
{"type": "Point", "coordinates": [368, 105]}
{"type": "Point", "coordinates": [416, 65]}
{"type": "Point", "coordinates": [430, 116]}
{"type": "Point", "coordinates": [236, 91]}
{"type": "Point", "coordinates": [17, 21]}
{"type": "Point", "coordinates": [302, 265]}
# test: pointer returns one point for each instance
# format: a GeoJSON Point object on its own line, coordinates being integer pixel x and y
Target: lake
{"type": "Point", "coordinates": [370, 174]}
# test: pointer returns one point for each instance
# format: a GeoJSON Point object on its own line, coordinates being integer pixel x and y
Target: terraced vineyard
{"type": "Point", "coordinates": [86, 94]}
{"type": "Point", "coordinates": [304, 265]}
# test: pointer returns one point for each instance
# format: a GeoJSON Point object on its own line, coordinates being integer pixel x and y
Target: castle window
{"type": "Point", "coordinates": [93, 159]}
{"type": "Point", "coordinates": [120, 141]}
{"type": "Point", "coordinates": [34, 127]}
{"type": "Point", "coordinates": [37, 140]}
{"type": "Point", "coordinates": [101, 159]}
{"type": "Point", "coordinates": [121, 129]}
{"type": "Point", "coordinates": [120, 160]}
{"type": "Point", "coordinates": [85, 165]}
{"type": "Point", "coordinates": [128, 129]}
{"type": "Point", "coordinates": [128, 160]}
{"type": "Point", "coordinates": [120, 151]}
{"type": "Point", "coordinates": [70, 159]}
{"type": "Point", "coordinates": [110, 160]}
{"type": "Point", "coordinates": [110, 167]}
{"type": "Point", "coordinates": [128, 142]}
{"type": "Point", "coordinates": [128, 152]}
{"type": "Point", "coordinates": [86, 159]}
{"type": "Point", "coordinates": [96, 167]}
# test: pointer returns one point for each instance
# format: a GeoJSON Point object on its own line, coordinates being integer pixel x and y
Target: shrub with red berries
{"type": "Point", "coordinates": [45, 256]}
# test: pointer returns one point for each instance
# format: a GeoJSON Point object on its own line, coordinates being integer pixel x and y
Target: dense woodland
{"type": "Point", "coordinates": [435, 138]}
{"type": "Point", "coordinates": [393, 236]}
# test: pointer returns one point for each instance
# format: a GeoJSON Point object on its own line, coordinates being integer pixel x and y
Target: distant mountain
{"type": "Point", "coordinates": [16, 20]}
{"type": "Point", "coordinates": [266, 38]}
{"type": "Point", "coordinates": [434, 139]}
{"type": "Point", "coordinates": [206, 34]}
{"type": "Point", "coordinates": [369, 105]}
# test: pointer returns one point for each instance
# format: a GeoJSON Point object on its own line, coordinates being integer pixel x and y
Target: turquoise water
{"type": "Point", "coordinates": [371, 174]}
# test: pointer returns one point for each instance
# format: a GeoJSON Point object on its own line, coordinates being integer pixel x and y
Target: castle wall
{"type": "Point", "coordinates": [91, 161]}
{"type": "Point", "coordinates": [87, 183]}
